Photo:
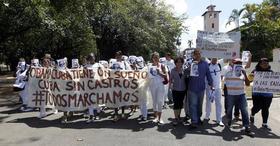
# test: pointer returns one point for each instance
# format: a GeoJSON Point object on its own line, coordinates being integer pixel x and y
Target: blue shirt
{"type": "Point", "coordinates": [197, 84]}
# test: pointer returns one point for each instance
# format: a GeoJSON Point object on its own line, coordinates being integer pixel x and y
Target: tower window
{"type": "Point", "coordinates": [215, 15]}
{"type": "Point", "coordinates": [213, 25]}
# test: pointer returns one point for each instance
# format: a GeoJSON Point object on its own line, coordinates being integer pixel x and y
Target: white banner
{"type": "Point", "coordinates": [218, 44]}
{"type": "Point", "coordinates": [266, 82]}
{"type": "Point", "coordinates": [78, 89]}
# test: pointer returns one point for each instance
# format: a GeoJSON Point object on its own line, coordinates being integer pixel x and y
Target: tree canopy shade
{"type": "Point", "coordinates": [260, 33]}
{"type": "Point", "coordinates": [30, 28]}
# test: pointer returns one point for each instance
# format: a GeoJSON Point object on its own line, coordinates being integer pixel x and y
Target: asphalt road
{"type": "Point", "coordinates": [25, 129]}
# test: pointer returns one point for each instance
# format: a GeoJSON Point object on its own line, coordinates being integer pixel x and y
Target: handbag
{"type": "Point", "coordinates": [165, 79]}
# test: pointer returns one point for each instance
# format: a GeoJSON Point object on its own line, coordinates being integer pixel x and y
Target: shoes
{"type": "Point", "coordinates": [97, 118]}
{"type": "Point", "coordinates": [252, 119]}
{"type": "Point", "coordinates": [55, 111]}
{"type": "Point", "coordinates": [220, 123]}
{"type": "Point", "coordinates": [64, 120]}
{"type": "Point", "coordinates": [156, 120]}
{"type": "Point", "coordinates": [192, 126]}
{"type": "Point", "coordinates": [26, 109]}
{"type": "Point", "coordinates": [22, 108]}
{"type": "Point", "coordinates": [90, 120]}
{"type": "Point", "coordinates": [140, 118]}
{"type": "Point", "coordinates": [265, 126]}
{"type": "Point", "coordinates": [144, 118]}
{"type": "Point", "coordinates": [160, 121]}
{"type": "Point", "coordinates": [131, 113]}
{"type": "Point", "coordinates": [248, 132]}
{"type": "Point", "coordinates": [200, 122]}
{"type": "Point", "coordinates": [116, 118]}
{"type": "Point", "coordinates": [236, 118]}
{"type": "Point", "coordinates": [186, 119]}
{"type": "Point", "coordinates": [175, 122]}
{"type": "Point", "coordinates": [71, 114]}
{"type": "Point", "coordinates": [42, 115]}
{"type": "Point", "coordinates": [229, 123]}
{"type": "Point", "coordinates": [206, 119]}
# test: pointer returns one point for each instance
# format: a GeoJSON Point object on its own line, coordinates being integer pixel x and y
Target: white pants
{"type": "Point", "coordinates": [91, 110]}
{"type": "Point", "coordinates": [158, 93]}
{"type": "Point", "coordinates": [217, 94]}
{"type": "Point", "coordinates": [166, 87]}
{"type": "Point", "coordinates": [144, 110]}
{"type": "Point", "coordinates": [24, 95]}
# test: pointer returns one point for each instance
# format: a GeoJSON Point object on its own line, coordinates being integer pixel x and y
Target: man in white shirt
{"type": "Point", "coordinates": [214, 95]}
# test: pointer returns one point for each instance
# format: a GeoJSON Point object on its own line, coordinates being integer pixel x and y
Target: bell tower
{"type": "Point", "coordinates": [211, 19]}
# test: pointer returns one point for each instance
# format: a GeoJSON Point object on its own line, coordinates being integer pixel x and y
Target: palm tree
{"type": "Point", "coordinates": [234, 17]}
{"type": "Point", "coordinates": [249, 14]}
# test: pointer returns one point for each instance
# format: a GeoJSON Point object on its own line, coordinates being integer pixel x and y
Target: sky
{"type": "Point", "coordinates": [195, 8]}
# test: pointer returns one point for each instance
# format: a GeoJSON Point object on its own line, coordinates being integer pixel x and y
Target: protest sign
{"type": "Point", "coordinates": [266, 82]}
{"type": "Point", "coordinates": [218, 44]}
{"type": "Point", "coordinates": [245, 56]}
{"type": "Point", "coordinates": [78, 89]}
{"type": "Point", "coordinates": [194, 69]}
{"type": "Point", "coordinates": [237, 70]}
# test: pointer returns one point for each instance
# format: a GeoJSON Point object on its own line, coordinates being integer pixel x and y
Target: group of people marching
{"type": "Point", "coordinates": [181, 82]}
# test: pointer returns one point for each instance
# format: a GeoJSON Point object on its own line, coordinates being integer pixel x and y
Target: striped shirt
{"type": "Point", "coordinates": [235, 85]}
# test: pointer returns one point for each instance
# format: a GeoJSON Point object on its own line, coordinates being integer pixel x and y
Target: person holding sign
{"type": "Point", "coordinates": [47, 63]}
{"type": "Point", "coordinates": [261, 101]}
{"type": "Point", "coordinates": [199, 71]}
{"type": "Point", "coordinates": [66, 115]}
{"type": "Point", "coordinates": [234, 80]}
{"type": "Point", "coordinates": [91, 64]}
{"type": "Point", "coordinates": [158, 73]}
{"type": "Point", "coordinates": [227, 68]}
{"type": "Point", "coordinates": [21, 83]}
{"type": "Point", "coordinates": [119, 64]}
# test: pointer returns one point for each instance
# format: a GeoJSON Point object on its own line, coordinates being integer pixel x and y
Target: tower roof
{"type": "Point", "coordinates": [211, 8]}
{"type": "Point", "coordinates": [210, 11]}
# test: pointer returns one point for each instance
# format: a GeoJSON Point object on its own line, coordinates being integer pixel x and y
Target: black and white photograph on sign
{"type": "Point", "coordinates": [194, 70]}
{"type": "Point", "coordinates": [61, 64]}
{"type": "Point", "coordinates": [237, 70]}
{"type": "Point", "coordinates": [117, 66]}
{"type": "Point", "coordinates": [153, 71]}
{"type": "Point", "coordinates": [75, 63]}
{"type": "Point", "coordinates": [245, 56]}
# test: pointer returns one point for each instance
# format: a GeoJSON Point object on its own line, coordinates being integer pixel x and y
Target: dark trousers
{"type": "Point", "coordinates": [239, 101]}
{"type": "Point", "coordinates": [178, 99]}
{"type": "Point", "coordinates": [236, 109]}
{"type": "Point", "coordinates": [261, 103]}
{"type": "Point", "coordinates": [117, 109]}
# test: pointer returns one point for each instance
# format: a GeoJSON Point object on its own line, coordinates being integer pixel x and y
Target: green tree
{"type": "Point", "coordinates": [30, 28]}
{"type": "Point", "coordinates": [260, 33]}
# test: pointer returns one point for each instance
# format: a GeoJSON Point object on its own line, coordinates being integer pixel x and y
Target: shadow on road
{"type": "Point", "coordinates": [180, 131]}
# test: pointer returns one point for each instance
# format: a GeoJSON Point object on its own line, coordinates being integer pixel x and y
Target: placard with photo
{"type": "Point", "coordinates": [194, 70]}
{"type": "Point", "coordinates": [245, 56]}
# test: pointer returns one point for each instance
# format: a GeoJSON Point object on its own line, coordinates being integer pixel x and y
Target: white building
{"type": "Point", "coordinates": [211, 19]}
